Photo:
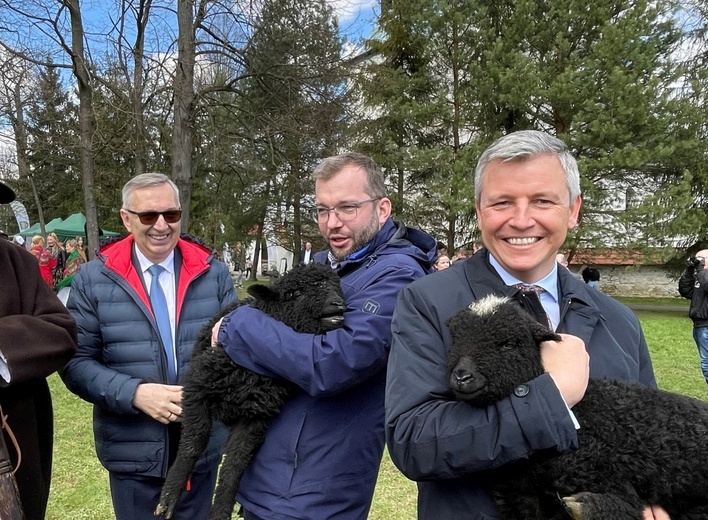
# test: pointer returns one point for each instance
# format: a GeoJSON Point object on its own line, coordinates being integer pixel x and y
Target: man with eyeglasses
{"type": "Point", "coordinates": [321, 455]}
{"type": "Point", "coordinates": [139, 307]}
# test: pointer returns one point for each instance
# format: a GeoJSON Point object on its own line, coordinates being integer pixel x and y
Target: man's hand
{"type": "Point", "coordinates": [215, 333]}
{"type": "Point", "coordinates": [161, 402]}
{"type": "Point", "coordinates": [696, 262]}
{"type": "Point", "coordinates": [655, 513]}
{"type": "Point", "coordinates": [568, 363]}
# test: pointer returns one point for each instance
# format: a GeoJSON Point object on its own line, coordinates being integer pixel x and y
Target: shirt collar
{"type": "Point", "coordinates": [548, 282]}
{"type": "Point", "coordinates": [145, 264]}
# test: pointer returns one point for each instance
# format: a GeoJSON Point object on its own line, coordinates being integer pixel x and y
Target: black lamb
{"type": "Point", "coordinates": [308, 299]}
{"type": "Point", "coordinates": [638, 446]}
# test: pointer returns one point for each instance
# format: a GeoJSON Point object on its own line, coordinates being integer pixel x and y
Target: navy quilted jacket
{"type": "Point", "coordinates": [119, 348]}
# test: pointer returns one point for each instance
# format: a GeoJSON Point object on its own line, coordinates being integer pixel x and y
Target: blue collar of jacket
{"type": "Point", "coordinates": [393, 237]}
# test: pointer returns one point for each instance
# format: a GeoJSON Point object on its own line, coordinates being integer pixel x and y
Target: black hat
{"type": "Point", "coordinates": [6, 194]}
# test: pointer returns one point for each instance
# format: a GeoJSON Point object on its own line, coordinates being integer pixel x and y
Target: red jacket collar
{"type": "Point", "coordinates": [194, 261]}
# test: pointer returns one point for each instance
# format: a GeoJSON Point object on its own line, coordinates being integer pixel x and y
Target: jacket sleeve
{"type": "Point", "coordinates": [432, 436]}
{"type": "Point", "coordinates": [227, 293]}
{"type": "Point", "coordinates": [702, 277]}
{"type": "Point", "coordinates": [37, 333]}
{"type": "Point", "coordinates": [85, 374]}
{"type": "Point", "coordinates": [686, 282]}
{"type": "Point", "coordinates": [327, 363]}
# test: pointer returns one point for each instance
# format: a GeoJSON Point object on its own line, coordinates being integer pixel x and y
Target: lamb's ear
{"type": "Point", "coordinates": [542, 333]}
{"type": "Point", "coordinates": [262, 292]}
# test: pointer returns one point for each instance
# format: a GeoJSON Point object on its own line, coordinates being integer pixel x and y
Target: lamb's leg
{"type": "Point", "coordinates": [244, 440]}
{"type": "Point", "coordinates": [596, 506]}
{"type": "Point", "coordinates": [196, 430]}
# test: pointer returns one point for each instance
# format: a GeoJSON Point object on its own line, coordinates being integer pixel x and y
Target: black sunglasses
{"type": "Point", "coordinates": [148, 218]}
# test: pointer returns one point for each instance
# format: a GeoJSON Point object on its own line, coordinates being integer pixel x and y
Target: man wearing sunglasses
{"type": "Point", "coordinates": [139, 307]}
{"type": "Point", "coordinates": [321, 455]}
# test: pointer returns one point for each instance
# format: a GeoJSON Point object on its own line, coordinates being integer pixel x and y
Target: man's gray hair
{"type": "Point", "coordinates": [527, 144]}
{"type": "Point", "coordinates": [145, 180]}
{"type": "Point", "coordinates": [331, 166]}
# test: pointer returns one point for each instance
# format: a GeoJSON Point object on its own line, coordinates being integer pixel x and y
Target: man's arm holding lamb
{"type": "Point", "coordinates": [421, 411]}
{"type": "Point", "coordinates": [320, 364]}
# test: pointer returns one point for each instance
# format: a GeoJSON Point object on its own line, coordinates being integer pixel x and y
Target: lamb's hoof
{"type": "Point", "coordinates": [573, 507]}
{"type": "Point", "coordinates": [163, 510]}
{"type": "Point", "coordinates": [579, 505]}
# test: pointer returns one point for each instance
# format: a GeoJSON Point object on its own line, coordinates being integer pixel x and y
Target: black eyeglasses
{"type": "Point", "coordinates": [344, 212]}
{"type": "Point", "coordinates": [148, 218]}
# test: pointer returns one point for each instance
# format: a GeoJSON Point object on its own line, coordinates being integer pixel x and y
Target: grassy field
{"type": "Point", "coordinates": [80, 485]}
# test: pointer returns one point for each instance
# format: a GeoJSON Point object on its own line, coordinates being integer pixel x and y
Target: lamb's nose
{"type": "Point", "coordinates": [465, 377]}
{"type": "Point", "coordinates": [462, 377]}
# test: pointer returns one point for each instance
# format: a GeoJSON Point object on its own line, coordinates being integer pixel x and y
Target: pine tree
{"type": "Point", "coordinates": [53, 147]}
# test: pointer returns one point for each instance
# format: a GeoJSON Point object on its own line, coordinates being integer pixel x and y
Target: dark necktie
{"type": "Point", "coordinates": [531, 298]}
{"type": "Point", "coordinates": [162, 316]}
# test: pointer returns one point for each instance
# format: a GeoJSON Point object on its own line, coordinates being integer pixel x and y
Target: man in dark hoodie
{"type": "Point", "coordinates": [321, 455]}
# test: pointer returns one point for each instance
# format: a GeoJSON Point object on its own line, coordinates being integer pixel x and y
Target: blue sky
{"type": "Point", "coordinates": [356, 17]}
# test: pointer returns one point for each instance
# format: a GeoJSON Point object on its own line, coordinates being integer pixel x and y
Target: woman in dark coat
{"type": "Point", "coordinates": [37, 337]}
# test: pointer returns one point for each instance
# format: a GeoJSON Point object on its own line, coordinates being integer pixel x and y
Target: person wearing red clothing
{"type": "Point", "coordinates": [47, 261]}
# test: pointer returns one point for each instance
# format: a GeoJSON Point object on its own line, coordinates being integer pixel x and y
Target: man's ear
{"type": "Point", "coordinates": [384, 210]}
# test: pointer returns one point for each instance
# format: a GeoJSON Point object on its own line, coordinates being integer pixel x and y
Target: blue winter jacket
{"type": "Point", "coordinates": [445, 444]}
{"type": "Point", "coordinates": [120, 348]}
{"type": "Point", "coordinates": [322, 453]}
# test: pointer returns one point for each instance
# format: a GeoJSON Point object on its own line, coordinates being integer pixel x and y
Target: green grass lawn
{"type": "Point", "coordinates": [80, 484]}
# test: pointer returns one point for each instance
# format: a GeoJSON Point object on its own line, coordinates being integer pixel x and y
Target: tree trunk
{"type": "Point", "coordinates": [183, 132]}
{"type": "Point", "coordinates": [86, 123]}
{"type": "Point", "coordinates": [20, 131]}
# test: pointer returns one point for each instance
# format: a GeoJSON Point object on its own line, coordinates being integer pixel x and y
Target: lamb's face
{"type": "Point", "coordinates": [308, 299]}
{"type": "Point", "coordinates": [495, 348]}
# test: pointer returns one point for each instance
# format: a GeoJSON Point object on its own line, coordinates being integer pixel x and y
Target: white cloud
{"type": "Point", "coordinates": [347, 10]}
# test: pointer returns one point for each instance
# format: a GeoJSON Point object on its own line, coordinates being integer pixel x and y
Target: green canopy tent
{"type": "Point", "coordinates": [73, 226]}
{"type": "Point", "coordinates": [37, 230]}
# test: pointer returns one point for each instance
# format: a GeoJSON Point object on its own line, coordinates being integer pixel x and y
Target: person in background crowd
{"type": "Point", "coordinates": [81, 248]}
{"type": "Point", "coordinates": [527, 197]}
{"type": "Point", "coordinates": [477, 247]}
{"type": "Point", "coordinates": [58, 252]}
{"type": "Point", "coordinates": [693, 285]}
{"type": "Point", "coordinates": [562, 260]}
{"type": "Point", "coordinates": [73, 261]}
{"type": "Point", "coordinates": [443, 262]}
{"type": "Point", "coordinates": [47, 261]}
{"type": "Point", "coordinates": [307, 255]}
{"type": "Point", "coordinates": [459, 255]}
{"type": "Point", "coordinates": [37, 337]}
{"type": "Point", "coordinates": [321, 454]}
{"type": "Point", "coordinates": [238, 257]}
{"type": "Point", "coordinates": [139, 307]}
{"type": "Point", "coordinates": [591, 276]}
{"type": "Point", "coordinates": [249, 267]}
